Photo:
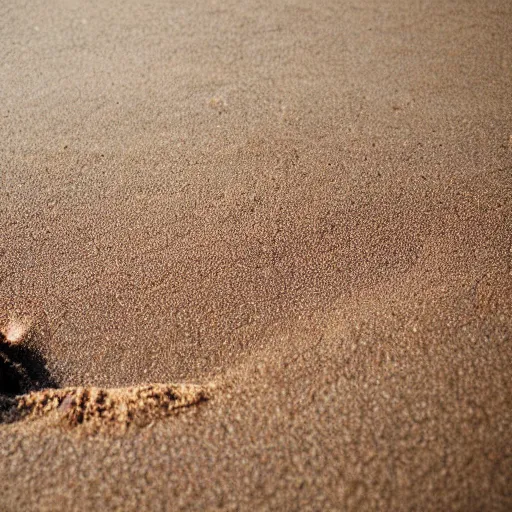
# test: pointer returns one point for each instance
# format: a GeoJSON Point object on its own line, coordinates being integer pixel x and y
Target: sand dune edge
{"type": "Point", "coordinates": [110, 410]}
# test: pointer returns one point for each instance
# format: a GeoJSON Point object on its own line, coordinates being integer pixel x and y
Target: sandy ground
{"type": "Point", "coordinates": [303, 206]}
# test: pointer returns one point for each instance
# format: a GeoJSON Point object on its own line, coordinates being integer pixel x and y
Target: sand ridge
{"type": "Point", "coordinates": [98, 410]}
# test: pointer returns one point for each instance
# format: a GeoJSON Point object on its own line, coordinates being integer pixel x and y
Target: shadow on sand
{"type": "Point", "coordinates": [22, 368]}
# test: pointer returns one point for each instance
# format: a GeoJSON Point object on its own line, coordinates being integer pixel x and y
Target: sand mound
{"type": "Point", "coordinates": [102, 410]}
{"type": "Point", "coordinates": [97, 409]}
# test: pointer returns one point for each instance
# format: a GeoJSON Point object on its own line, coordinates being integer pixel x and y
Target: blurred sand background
{"type": "Point", "coordinates": [308, 205]}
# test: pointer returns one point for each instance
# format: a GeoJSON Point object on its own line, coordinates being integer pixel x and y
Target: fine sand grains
{"type": "Point", "coordinates": [308, 203]}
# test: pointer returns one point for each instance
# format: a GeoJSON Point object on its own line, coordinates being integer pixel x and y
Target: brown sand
{"type": "Point", "coordinates": [305, 204]}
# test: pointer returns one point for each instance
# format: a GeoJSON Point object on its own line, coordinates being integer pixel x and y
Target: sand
{"type": "Point", "coordinates": [256, 255]}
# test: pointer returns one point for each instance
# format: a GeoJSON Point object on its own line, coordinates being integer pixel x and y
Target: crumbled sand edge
{"type": "Point", "coordinates": [111, 410]}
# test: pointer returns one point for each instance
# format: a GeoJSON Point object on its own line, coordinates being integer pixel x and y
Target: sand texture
{"type": "Point", "coordinates": [256, 255]}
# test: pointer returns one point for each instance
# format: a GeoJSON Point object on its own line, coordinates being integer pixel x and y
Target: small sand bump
{"type": "Point", "coordinates": [103, 410]}
{"type": "Point", "coordinates": [16, 330]}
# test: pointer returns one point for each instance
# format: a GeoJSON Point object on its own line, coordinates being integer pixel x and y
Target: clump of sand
{"type": "Point", "coordinates": [97, 410]}
{"type": "Point", "coordinates": [94, 409]}
{"type": "Point", "coordinates": [16, 330]}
